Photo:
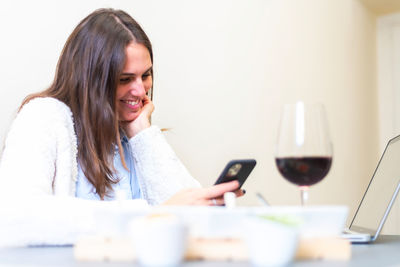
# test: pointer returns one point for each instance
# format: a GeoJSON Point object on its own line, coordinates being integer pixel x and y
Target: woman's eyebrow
{"type": "Point", "coordinates": [133, 74]}
{"type": "Point", "coordinates": [149, 69]}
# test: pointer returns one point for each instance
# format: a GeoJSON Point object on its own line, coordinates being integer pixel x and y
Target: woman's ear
{"type": "Point", "coordinates": [150, 93]}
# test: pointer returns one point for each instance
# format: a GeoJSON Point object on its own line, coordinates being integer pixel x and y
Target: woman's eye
{"type": "Point", "coordinates": [124, 80]}
{"type": "Point", "coordinates": [145, 76]}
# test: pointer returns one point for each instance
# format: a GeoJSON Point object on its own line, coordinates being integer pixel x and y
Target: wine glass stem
{"type": "Point", "coordinates": [304, 195]}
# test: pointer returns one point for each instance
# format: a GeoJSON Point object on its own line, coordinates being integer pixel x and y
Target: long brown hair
{"type": "Point", "coordinates": [86, 80]}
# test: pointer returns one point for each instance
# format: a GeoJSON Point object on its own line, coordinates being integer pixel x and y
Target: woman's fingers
{"type": "Point", "coordinates": [240, 192]}
{"type": "Point", "coordinates": [219, 201]}
{"type": "Point", "coordinates": [219, 189]}
{"type": "Point", "coordinates": [212, 196]}
{"type": "Point", "coordinates": [148, 106]}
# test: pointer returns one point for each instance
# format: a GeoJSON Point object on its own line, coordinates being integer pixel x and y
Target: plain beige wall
{"type": "Point", "coordinates": [388, 80]}
{"type": "Point", "coordinates": [223, 70]}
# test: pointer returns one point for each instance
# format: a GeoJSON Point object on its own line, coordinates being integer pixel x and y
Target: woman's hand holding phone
{"type": "Point", "coordinates": [231, 179]}
{"type": "Point", "coordinates": [142, 122]}
{"type": "Point", "coordinates": [211, 196]}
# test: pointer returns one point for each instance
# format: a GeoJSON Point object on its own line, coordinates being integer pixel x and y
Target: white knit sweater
{"type": "Point", "coordinates": [39, 168]}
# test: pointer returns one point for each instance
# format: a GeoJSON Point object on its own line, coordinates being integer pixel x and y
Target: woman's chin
{"type": "Point", "coordinates": [127, 120]}
{"type": "Point", "coordinates": [130, 118]}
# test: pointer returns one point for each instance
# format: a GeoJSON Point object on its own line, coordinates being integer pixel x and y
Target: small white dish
{"type": "Point", "coordinates": [159, 240]}
{"type": "Point", "coordinates": [270, 243]}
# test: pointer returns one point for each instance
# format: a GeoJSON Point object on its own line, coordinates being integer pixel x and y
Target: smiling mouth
{"type": "Point", "coordinates": [130, 102]}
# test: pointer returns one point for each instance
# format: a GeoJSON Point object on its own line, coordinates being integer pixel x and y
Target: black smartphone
{"type": "Point", "coordinates": [238, 169]}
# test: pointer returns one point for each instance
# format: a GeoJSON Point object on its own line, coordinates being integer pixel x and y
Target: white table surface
{"type": "Point", "coordinates": [384, 252]}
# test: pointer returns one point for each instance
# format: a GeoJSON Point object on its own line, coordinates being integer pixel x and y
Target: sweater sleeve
{"type": "Point", "coordinates": [28, 162]}
{"type": "Point", "coordinates": [160, 173]}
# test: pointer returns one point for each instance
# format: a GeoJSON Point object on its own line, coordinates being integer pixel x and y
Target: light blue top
{"type": "Point", "coordinates": [128, 182]}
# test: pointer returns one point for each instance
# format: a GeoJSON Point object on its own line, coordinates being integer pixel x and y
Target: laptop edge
{"type": "Point", "coordinates": [362, 238]}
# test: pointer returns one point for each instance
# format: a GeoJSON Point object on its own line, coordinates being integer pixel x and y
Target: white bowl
{"type": "Point", "coordinates": [159, 240]}
{"type": "Point", "coordinates": [270, 243]}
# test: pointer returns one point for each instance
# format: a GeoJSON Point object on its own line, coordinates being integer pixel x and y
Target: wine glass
{"type": "Point", "coordinates": [304, 149]}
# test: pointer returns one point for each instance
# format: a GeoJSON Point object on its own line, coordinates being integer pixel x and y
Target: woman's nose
{"type": "Point", "coordinates": [138, 87]}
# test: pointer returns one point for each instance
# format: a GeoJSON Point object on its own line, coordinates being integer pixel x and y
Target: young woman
{"type": "Point", "coordinates": [89, 134]}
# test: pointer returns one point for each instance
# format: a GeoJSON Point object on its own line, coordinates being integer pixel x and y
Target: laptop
{"type": "Point", "coordinates": [378, 199]}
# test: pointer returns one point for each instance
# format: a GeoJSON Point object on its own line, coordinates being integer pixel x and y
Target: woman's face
{"type": "Point", "coordinates": [134, 82]}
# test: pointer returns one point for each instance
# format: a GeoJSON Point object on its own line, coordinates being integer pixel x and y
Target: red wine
{"type": "Point", "coordinates": [304, 170]}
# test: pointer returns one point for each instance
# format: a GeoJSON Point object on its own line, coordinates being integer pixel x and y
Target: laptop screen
{"type": "Point", "coordinates": [379, 193]}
